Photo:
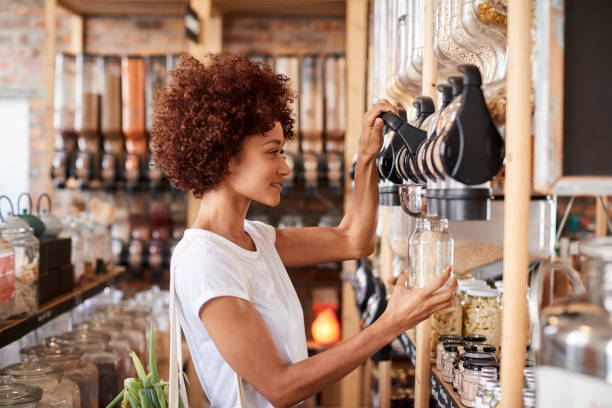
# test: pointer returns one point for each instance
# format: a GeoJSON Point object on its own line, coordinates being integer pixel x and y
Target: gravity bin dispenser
{"type": "Point", "coordinates": [453, 158]}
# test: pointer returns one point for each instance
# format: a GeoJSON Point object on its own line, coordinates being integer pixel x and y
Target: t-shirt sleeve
{"type": "Point", "coordinates": [267, 231]}
{"type": "Point", "coordinates": [205, 272]}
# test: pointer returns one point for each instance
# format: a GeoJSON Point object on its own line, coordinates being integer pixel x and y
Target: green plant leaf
{"type": "Point", "coordinates": [152, 359]}
{"type": "Point", "coordinates": [116, 400]}
{"type": "Point", "coordinates": [139, 368]}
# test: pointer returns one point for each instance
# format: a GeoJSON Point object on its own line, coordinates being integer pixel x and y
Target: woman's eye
{"type": "Point", "coordinates": [282, 152]}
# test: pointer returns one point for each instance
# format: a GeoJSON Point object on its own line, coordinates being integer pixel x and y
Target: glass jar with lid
{"type": "Point", "coordinates": [58, 391]}
{"type": "Point", "coordinates": [7, 275]}
{"type": "Point", "coordinates": [468, 356]}
{"type": "Point", "coordinates": [484, 386]}
{"type": "Point", "coordinates": [135, 327]}
{"type": "Point", "coordinates": [472, 339]}
{"type": "Point", "coordinates": [72, 230]}
{"type": "Point", "coordinates": [400, 230]}
{"type": "Point", "coordinates": [119, 340]}
{"type": "Point", "coordinates": [95, 348]}
{"type": "Point", "coordinates": [450, 355]}
{"type": "Point", "coordinates": [482, 314]}
{"type": "Point", "coordinates": [440, 348]}
{"type": "Point", "coordinates": [473, 371]}
{"type": "Point", "coordinates": [89, 244]}
{"type": "Point", "coordinates": [24, 300]}
{"type": "Point", "coordinates": [15, 395]}
{"type": "Point", "coordinates": [83, 372]}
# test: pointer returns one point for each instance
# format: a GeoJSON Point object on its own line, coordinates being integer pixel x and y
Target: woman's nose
{"type": "Point", "coordinates": [284, 169]}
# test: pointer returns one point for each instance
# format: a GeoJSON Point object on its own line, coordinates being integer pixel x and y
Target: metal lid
{"type": "Point", "coordinates": [78, 337]}
{"type": "Point", "coordinates": [449, 337]}
{"type": "Point", "coordinates": [477, 365]}
{"type": "Point", "coordinates": [12, 393]}
{"type": "Point", "coordinates": [477, 356]}
{"type": "Point", "coordinates": [32, 370]}
{"type": "Point", "coordinates": [478, 338]}
{"type": "Point", "coordinates": [452, 349]}
{"type": "Point", "coordinates": [598, 248]}
{"type": "Point", "coordinates": [52, 352]}
{"type": "Point", "coordinates": [488, 348]}
{"type": "Point", "coordinates": [482, 292]}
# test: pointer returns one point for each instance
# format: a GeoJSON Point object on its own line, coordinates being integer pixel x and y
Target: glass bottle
{"type": "Point", "coordinates": [447, 321]}
{"type": "Point", "coordinates": [58, 391]}
{"type": "Point", "coordinates": [95, 348]}
{"type": "Point", "coordinates": [400, 230]}
{"type": "Point", "coordinates": [83, 372]}
{"type": "Point", "coordinates": [110, 121]}
{"type": "Point", "coordinates": [24, 299]}
{"type": "Point", "coordinates": [15, 395]}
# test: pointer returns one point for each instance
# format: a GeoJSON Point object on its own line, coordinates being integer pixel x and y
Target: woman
{"type": "Point", "coordinates": [219, 131]}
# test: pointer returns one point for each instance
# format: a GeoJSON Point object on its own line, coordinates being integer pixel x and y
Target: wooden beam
{"type": "Point", "coordinates": [601, 221]}
{"type": "Point", "coordinates": [77, 35]}
{"type": "Point", "coordinates": [423, 330]}
{"type": "Point", "coordinates": [211, 41]}
{"type": "Point", "coordinates": [356, 59]}
{"type": "Point", "coordinates": [516, 204]}
{"type": "Point", "coordinates": [50, 49]}
{"type": "Point", "coordinates": [384, 384]}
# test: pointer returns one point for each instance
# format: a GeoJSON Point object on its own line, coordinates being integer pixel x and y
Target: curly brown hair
{"type": "Point", "coordinates": [205, 111]}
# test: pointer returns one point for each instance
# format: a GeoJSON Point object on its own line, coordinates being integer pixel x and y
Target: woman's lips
{"type": "Point", "coordinates": [277, 186]}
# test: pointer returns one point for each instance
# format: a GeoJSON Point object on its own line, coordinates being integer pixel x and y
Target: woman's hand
{"type": "Point", "coordinates": [371, 135]}
{"type": "Point", "coordinates": [408, 307]}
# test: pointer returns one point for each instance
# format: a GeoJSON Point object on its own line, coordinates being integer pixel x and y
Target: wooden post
{"type": "Point", "coordinates": [423, 330]}
{"type": "Point", "coordinates": [386, 254]}
{"type": "Point", "coordinates": [50, 49]}
{"type": "Point", "coordinates": [384, 384]}
{"type": "Point", "coordinates": [516, 204]}
{"type": "Point", "coordinates": [211, 41]}
{"type": "Point", "coordinates": [356, 60]}
{"type": "Point", "coordinates": [601, 222]}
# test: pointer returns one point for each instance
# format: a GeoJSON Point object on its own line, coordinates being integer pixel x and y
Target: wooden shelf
{"type": "Point", "coordinates": [12, 330]}
{"type": "Point", "coordinates": [235, 8]}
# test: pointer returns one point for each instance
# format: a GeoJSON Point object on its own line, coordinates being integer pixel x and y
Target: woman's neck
{"type": "Point", "coordinates": [223, 212]}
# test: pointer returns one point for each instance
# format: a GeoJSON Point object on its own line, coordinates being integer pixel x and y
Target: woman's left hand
{"type": "Point", "coordinates": [371, 135]}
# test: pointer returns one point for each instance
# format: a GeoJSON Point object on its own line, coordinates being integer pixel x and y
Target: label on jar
{"type": "Point", "coordinates": [557, 387]}
{"type": "Point", "coordinates": [7, 276]}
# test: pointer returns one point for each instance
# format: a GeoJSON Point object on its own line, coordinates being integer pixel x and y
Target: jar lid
{"type": "Point", "coordinates": [488, 348]}
{"type": "Point", "coordinates": [448, 337]}
{"type": "Point", "coordinates": [477, 365]}
{"type": "Point", "coordinates": [80, 337]}
{"type": "Point", "coordinates": [470, 282]}
{"type": "Point", "coordinates": [32, 369]}
{"type": "Point", "coordinates": [478, 356]}
{"type": "Point", "coordinates": [482, 292]}
{"type": "Point", "coordinates": [475, 338]}
{"type": "Point", "coordinates": [12, 393]}
{"type": "Point", "coordinates": [455, 343]}
{"type": "Point", "coordinates": [52, 352]}
{"type": "Point", "coordinates": [452, 349]}
{"type": "Point", "coordinates": [100, 325]}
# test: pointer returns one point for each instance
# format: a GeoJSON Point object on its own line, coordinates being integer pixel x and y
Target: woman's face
{"type": "Point", "coordinates": [259, 171]}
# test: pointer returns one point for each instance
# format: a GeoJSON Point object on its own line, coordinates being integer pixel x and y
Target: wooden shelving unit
{"type": "Point", "coordinates": [12, 330]}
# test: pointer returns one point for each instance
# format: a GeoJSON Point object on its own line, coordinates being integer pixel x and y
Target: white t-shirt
{"type": "Point", "coordinates": [203, 271]}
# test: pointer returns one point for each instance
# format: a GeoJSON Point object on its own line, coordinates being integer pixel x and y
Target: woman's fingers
{"type": "Point", "coordinates": [443, 297]}
{"type": "Point", "coordinates": [381, 106]}
{"type": "Point", "coordinates": [437, 283]}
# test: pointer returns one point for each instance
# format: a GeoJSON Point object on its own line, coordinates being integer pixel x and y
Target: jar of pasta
{"type": "Point", "coordinates": [482, 314]}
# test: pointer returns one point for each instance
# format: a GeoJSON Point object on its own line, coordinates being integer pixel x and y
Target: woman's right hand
{"type": "Point", "coordinates": [407, 307]}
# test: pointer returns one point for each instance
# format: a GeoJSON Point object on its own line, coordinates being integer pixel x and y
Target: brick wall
{"type": "Point", "coordinates": [22, 66]}
{"type": "Point", "coordinates": [278, 35]}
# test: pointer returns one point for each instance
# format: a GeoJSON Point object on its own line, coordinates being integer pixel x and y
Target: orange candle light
{"type": "Point", "coordinates": [326, 328]}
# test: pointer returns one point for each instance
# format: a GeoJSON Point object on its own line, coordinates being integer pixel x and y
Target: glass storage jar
{"type": "Point", "coordinates": [89, 72]}
{"type": "Point", "coordinates": [484, 386]}
{"type": "Point", "coordinates": [7, 275]}
{"type": "Point", "coordinates": [83, 372]}
{"type": "Point", "coordinates": [400, 230]}
{"type": "Point", "coordinates": [440, 348]}
{"type": "Point", "coordinates": [473, 371]}
{"type": "Point", "coordinates": [450, 355]}
{"type": "Point", "coordinates": [58, 391]}
{"type": "Point", "coordinates": [448, 51]}
{"type": "Point", "coordinates": [64, 102]}
{"type": "Point", "coordinates": [24, 300]}
{"type": "Point", "coordinates": [89, 244]}
{"type": "Point", "coordinates": [110, 112]}
{"type": "Point", "coordinates": [468, 356]}
{"type": "Point", "coordinates": [311, 104]}
{"type": "Point", "coordinates": [482, 314]}
{"type": "Point", "coordinates": [118, 340]}
{"type": "Point", "coordinates": [136, 326]}
{"type": "Point", "coordinates": [15, 395]}
{"type": "Point", "coordinates": [95, 348]}
{"type": "Point", "coordinates": [77, 256]}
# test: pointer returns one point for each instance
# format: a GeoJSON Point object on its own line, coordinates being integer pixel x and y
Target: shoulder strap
{"type": "Point", "coordinates": [176, 380]}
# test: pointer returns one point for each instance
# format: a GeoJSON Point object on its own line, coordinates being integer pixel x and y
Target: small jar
{"type": "Point", "coordinates": [83, 372]}
{"type": "Point", "coordinates": [77, 254]}
{"type": "Point", "coordinates": [96, 349]}
{"type": "Point", "coordinates": [450, 355]}
{"type": "Point", "coordinates": [58, 391]}
{"type": "Point", "coordinates": [457, 375]}
{"type": "Point", "coordinates": [474, 339]}
{"type": "Point", "coordinates": [484, 386]}
{"type": "Point", "coordinates": [529, 398]}
{"type": "Point", "coordinates": [440, 347]}
{"type": "Point", "coordinates": [15, 395]}
{"type": "Point", "coordinates": [471, 378]}
{"type": "Point", "coordinates": [26, 247]}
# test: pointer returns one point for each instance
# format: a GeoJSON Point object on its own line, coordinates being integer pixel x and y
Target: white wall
{"type": "Point", "coordinates": [14, 148]}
